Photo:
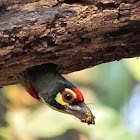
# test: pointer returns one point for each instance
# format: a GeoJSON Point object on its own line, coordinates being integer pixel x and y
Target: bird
{"type": "Point", "coordinates": [47, 85]}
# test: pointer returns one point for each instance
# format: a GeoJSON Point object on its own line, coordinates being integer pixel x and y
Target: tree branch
{"type": "Point", "coordinates": [74, 34]}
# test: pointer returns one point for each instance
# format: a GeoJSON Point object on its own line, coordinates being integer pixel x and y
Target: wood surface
{"type": "Point", "coordinates": [74, 34]}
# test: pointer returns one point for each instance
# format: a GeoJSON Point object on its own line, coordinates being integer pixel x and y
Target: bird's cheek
{"type": "Point", "coordinates": [59, 100]}
{"type": "Point", "coordinates": [53, 107]}
{"type": "Point", "coordinates": [43, 101]}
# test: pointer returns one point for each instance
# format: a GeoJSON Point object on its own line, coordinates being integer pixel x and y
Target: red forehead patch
{"type": "Point", "coordinates": [79, 95]}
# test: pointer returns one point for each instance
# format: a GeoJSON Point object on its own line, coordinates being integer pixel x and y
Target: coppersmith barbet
{"type": "Point", "coordinates": [45, 84]}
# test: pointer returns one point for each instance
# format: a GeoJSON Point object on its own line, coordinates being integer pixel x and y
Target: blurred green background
{"type": "Point", "coordinates": [111, 91]}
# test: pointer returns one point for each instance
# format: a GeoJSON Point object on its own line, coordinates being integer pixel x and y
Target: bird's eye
{"type": "Point", "coordinates": [67, 97]}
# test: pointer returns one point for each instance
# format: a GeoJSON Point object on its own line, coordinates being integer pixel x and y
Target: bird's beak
{"type": "Point", "coordinates": [82, 112]}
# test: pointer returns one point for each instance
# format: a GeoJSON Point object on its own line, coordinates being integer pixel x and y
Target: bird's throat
{"type": "Point", "coordinates": [32, 92]}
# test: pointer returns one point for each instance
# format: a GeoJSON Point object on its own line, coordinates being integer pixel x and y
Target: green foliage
{"type": "Point", "coordinates": [115, 82]}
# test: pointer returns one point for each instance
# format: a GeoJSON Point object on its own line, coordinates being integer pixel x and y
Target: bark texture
{"type": "Point", "coordinates": [74, 34]}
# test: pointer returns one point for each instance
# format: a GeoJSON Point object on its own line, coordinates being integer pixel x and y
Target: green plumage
{"type": "Point", "coordinates": [46, 81]}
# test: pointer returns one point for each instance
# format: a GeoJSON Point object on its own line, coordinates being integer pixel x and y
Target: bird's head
{"type": "Point", "coordinates": [70, 100]}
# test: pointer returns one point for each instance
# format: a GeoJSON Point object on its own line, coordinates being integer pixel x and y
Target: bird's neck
{"type": "Point", "coordinates": [37, 79]}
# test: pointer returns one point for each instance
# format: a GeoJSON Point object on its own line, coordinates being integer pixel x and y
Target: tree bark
{"type": "Point", "coordinates": [74, 34]}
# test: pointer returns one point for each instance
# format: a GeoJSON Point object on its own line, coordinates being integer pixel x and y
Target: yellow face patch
{"type": "Point", "coordinates": [59, 97]}
{"type": "Point", "coordinates": [71, 91]}
{"type": "Point", "coordinates": [42, 100]}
